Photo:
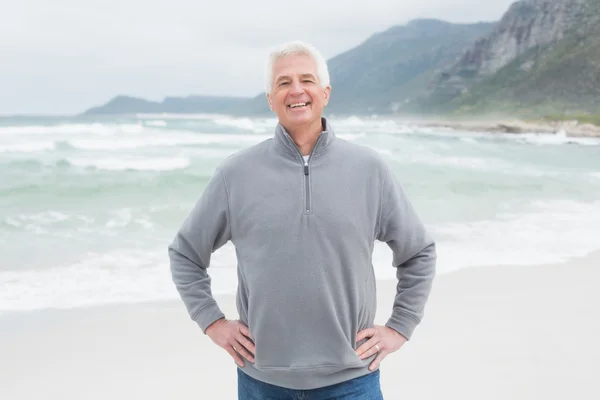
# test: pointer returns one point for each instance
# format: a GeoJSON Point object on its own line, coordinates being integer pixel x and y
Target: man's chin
{"type": "Point", "coordinates": [300, 119]}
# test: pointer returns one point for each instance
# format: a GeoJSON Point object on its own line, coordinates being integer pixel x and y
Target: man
{"type": "Point", "coordinates": [303, 210]}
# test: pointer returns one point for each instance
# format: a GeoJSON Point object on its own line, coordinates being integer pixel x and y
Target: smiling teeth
{"type": "Point", "coordinates": [297, 105]}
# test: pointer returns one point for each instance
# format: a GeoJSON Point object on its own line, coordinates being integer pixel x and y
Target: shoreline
{"type": "Point", "coordinates": [571, 128]}
{"type": "Point", "coordinates": [170, 302]}
{"type": "Point", "coordinates": [492, 332]}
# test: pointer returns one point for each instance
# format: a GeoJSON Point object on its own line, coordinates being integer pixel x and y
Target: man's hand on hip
{"type": "Point", "coordinates": [383, 340]}
{"type": "Point", "coordinates": [234, 337]}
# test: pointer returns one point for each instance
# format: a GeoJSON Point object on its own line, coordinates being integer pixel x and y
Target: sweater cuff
{"type": "Point", "coordinates": [209, 314]}
{"type": "Point", "coordinates": [404, 324]}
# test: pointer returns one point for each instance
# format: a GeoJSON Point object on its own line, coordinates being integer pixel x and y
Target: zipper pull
{"type": "Point", "coordinates": [305, 168]}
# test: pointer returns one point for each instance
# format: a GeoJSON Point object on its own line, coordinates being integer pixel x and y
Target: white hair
{"type": "Point", "coordinates": [296, 48]}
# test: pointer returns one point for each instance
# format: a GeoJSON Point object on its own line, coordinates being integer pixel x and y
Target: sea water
{"type": "Point", "coordinates": [88, 205]}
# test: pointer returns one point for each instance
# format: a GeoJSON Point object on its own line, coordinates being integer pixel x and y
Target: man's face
{"type": "Point", "coordinates": [297, 96]}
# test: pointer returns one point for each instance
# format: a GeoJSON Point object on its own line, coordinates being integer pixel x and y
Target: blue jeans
{"type": "Point", "coordinates": [362, 388]}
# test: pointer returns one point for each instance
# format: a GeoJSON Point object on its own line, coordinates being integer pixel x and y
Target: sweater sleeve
{"type": "Point", "coordinates": [205, 230]}
{"type": "Point", "coordinates": [414, 255]}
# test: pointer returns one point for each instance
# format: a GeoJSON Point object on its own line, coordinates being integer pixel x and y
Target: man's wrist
{"type": "Point", "coordinates": [213, 324]}
{"type": "Point", "coordinates": [395, 332]}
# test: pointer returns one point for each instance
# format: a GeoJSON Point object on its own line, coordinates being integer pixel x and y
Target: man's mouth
{"type": "Point", "coordinates": [299, 105]}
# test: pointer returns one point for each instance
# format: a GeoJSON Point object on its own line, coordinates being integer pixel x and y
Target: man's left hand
{"type": "Point", "coordinates": [383, 340]}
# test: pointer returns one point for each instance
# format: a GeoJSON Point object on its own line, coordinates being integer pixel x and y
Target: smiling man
{"type": "Point", "coordinates": [303, 210]}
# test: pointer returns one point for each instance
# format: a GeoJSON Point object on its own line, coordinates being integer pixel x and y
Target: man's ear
{"type": "Point", "coordinates": [269, 101]}
{"type": "Point", "coordinates": [327, 94]}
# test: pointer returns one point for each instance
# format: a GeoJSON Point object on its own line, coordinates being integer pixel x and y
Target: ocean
{"type": "Point", "coordinates": [89, 205]}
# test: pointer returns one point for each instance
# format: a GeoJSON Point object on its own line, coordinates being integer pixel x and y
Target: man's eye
{"type": "Point", "coordinates": [308, 81]}
{"type": "Point", "coordinates": [283, 83]}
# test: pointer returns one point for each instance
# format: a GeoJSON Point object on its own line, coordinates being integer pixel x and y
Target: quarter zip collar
{"type": "Point", "coordinates": [286, 145]}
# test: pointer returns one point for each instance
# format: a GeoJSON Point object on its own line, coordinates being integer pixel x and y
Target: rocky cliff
{"type": "Point", "coordinates": [542, 55]}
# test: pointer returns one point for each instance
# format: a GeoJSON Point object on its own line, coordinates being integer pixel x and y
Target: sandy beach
{"type": "Point", "coordinates": [516, 332]}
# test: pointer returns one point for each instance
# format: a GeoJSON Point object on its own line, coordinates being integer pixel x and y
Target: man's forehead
{"type": "Point", "coordinates": [295, 65]}
{"type": "Point", "coordinates": [289, 74]}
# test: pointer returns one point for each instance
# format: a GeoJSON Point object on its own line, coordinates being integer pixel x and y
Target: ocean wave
{"type": "Point", "coordinates": [464, 162]}
{"type": "Point", "coordinates": [256, 125]}
{"type": "Point", "coordinates": [531, 138]}
{"type": "Point", "coordinates": [96, 128]}
{"type": "Point", "coordinates": [369, 126]}
{"type": "Point", "coordinates": [180, 116]}
{"type": "Point", "coordinates": [28, 147]}
{"type": "Point", "coordinates": [167, 140]}
{"type": "Point", "coordinates": [131, 163]}
{"type": "Point", "coordinates": [105, 278]}
{"type": "Point", "coordinates": [133, 143]}
{"type": "Point", "coordinates": [550, 231]}
{"type": "Point", "coordinates": [527, 237]}
{"type": "Point", "coordinates": [159, 122]}
{"type": "Point", "coordinates": [593, 177]}
{"type": "Point", "coordinates": [241, 123]}
{"type": "Point", "coordinates": [556, 139]}
{"type": "Point", "coordinates": [38, 223]}
{"type": "Point", "coordinates": [106, 223]}
{"type": "Point", "coordinates": [171, 139]}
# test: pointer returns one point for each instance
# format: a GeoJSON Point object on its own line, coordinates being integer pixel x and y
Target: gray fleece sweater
{"type": "Point", "coordinates": [304, 236]}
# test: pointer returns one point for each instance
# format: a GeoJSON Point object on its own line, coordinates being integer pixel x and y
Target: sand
{"type": "Point", "coordinates": [506, 332]}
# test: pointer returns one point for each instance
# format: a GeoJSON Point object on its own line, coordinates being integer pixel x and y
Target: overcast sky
{"type": "Point", "coordinates": [64, 56]}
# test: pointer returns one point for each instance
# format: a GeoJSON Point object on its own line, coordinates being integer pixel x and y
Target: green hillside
{"type": "Point", "coordinates": [559, 79]}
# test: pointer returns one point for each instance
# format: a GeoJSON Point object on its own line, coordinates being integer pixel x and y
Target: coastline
{"type": "Point", "coordinates": [516, 332]}
{"type": "Point", "coordinates": [569, 128]}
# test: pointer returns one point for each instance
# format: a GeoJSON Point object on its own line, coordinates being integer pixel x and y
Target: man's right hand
{"type": "Point", "coordinates": [234, 337]}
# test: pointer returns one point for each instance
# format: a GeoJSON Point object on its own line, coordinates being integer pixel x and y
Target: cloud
{"type": "Point", "coordinates": [66, 55]}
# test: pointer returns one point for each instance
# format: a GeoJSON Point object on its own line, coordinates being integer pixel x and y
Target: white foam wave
{"type": "Point", "coordinates": [241, 123]}
{"type": "Point", "coordinates": [386, 152]}
{"type": "Point", "coordinates": [132, 163]}
{"type": "Point", "coordinates": [182, 116]}
{"type": "Point", "coordinates": [105, 278]}
{"type": "Point", "coordinates": [477, 163]}
{"type": "Point", "coordinates": [350, 121]}
{"type": "Point", "coordinates": [61, 224]}
{"type": "Point", "coordinates": [559, 138]}
{"type": "Point", "coordinates": [27, 147]}
{"type": "Point", "coordinates": [595, 175]}
{"type": "Point", "coordinates": [534, 138]}
{"type": "Point", "coordinates": [368, 126]}
{"type": "Point", "coordinates": [157, 123]}
{"type": "Point", "coordinates": [38, 223]}
{"type": "Point", "coordinates": [166, 140]}
{"type": "Point", "coordinates": [73, 128]}
{"type": "Point", "coordinates": [555, 231]}
{"type": "Point", "coordinates": [46, 217]}
{"type": "Point", "coordinates": [352, 136]}
{"type": "Point", "coordinates": [551, 231]}
{"type": "Point", "coordinates": [255, 125]}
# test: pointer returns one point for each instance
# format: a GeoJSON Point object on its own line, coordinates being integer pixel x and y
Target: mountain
{"type": "Point", "coordinates": [190, 104]}
{"type": "Point", "coordinates": [393, 67]}
{"type": "Point", "coordinates": [390, 67]}
{"type": "Point", "coordinates": [125, 105]}
{"type": "Point", "coordinates": [542, 58]}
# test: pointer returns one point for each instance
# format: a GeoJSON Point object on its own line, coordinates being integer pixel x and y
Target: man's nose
{"type": "Point", "coordinates": [296, 88]}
